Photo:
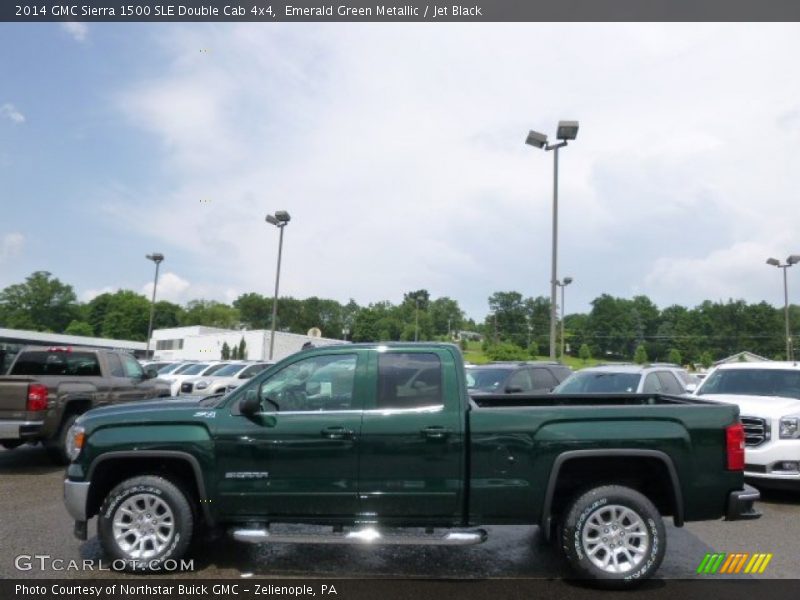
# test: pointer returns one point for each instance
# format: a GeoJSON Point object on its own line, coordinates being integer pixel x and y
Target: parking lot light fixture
{"type": "Point", "coordinates": [156, 257]}
{"type": "Point", "coordinates": [567, 131]}
{"type": "Point", "coordinates": [792, 260]}
{"type": "Point", "coordinates": [280, 219]}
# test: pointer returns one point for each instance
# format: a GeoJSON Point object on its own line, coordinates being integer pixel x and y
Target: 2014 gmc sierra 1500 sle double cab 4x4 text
{"type": "Point", "coordinates": [354, 438]}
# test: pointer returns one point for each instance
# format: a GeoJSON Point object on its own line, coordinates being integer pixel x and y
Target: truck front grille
{"type": "Point", "coordinates": [756, 431]}
{"type": "Point", "coordinates": [186, 388]}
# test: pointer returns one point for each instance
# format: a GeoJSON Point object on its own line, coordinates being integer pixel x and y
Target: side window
{"type": "Point", "coordinates": [670, 383]}
{"type": "Point", "coordinates": [652, 384]}
{"type": "Point", "coordinates": [250, 371]}
{"type": "Point", "coordinates": [521, 381]}
{"type": "Point", "coordinates": [316, 383]}
{"type": "Point", "coordinates": [115, 366]}
{"type": "Point", "coordinates": [132, 368]}
{"type": "Point", "coordinates": [543, 379]}
{"type": "Point", "coordinates": [409, 380]}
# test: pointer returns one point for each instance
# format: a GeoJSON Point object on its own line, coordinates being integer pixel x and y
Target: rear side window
{"type": "Point", "coordinates": [670, 383]}
{"type": "Point", "coordinates": [543, 379]}
{"type": "Point", "coordinates": [652, 384]}
{"type": "Point", "coordinates": [115, 366]}
{"type": "Point", "coordinates": [132, 368]}
{"type": "Point", "coordinates": [76, 364]}
{"type": "Point", "coordinates": [409, 380]}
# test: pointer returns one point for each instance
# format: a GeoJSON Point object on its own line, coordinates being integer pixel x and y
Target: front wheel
{"type": "Point", "coordinates": [614, 536]}
{"type": "Point", "coordinates": [145, 521]}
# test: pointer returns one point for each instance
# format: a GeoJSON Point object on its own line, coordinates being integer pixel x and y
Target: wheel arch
{"type": "Point", "coordinates": [182, 468]}
{"type": "Point", "coordinates": [575, 457]}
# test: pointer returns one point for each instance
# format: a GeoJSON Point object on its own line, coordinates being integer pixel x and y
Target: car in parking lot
{"type": "Point", "coordinates": [768, 397]}
{"type": "Point", "coordinates": [624, 378]}
{"type": "Point", "coordinates": [180, 375]}
{"type": "Point", "coordinates": [515, 377]}
{"type": "Point", "coordinates": [227, 378]}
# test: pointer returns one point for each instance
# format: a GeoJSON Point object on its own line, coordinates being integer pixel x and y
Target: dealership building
{"type": "Point", "coordinates": [206, 343]}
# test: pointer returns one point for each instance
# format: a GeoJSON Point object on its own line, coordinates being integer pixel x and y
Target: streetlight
{"type": "Point", "coordinates": [562, 285]}
{"type": "Point", "coordinates": [345, 333]}
{"type": "Point", "coordinates": [156, 257]}
{"type": "Point", "coordinates": [280, 219]}
{"type": "Point", "coordinates": [792, 260]}
{"type": "Point", "coordinates": [567, 130]}
{"type": "Point", "coordinates": [416, 318]}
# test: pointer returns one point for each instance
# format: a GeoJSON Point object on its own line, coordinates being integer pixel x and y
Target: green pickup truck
{"type": "Point", "coordinates": [382, 444]}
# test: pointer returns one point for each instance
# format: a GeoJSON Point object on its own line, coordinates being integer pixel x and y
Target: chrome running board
{"type": "Point", "coordinates": [259, 535]}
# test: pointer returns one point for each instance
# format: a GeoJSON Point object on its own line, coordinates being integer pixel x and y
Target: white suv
{"type": "Point", "coordinates": [768, 396]}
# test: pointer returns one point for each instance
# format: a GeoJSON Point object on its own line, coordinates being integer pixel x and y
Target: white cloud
{"type": "Point", "coordinates": [77, 30]}
{"type": "Point", "coordinates": [171, 287]}
{"type": "Point", "coordinates": [9, 111]}
{"type": "Point", "coordinates": [11, 245]}
{"type": "Point", "coordinates": [399, 153]}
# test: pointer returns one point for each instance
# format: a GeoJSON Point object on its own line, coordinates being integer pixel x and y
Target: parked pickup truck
{"type": "Point", "coordinates": [352, 440]}
{"type": "Point", "coordinates": [47, 388]}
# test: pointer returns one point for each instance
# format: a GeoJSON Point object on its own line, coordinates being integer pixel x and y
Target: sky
{"type": "Point", "coordinates": [398, 150]}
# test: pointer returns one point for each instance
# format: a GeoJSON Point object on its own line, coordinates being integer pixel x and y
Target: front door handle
{"type": "Point", "coordinates": [436, 433]}
{"type": "Point", "coordinates": [337, 433]}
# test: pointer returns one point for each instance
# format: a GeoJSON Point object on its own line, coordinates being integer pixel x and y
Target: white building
{"type": "Point", "coordinates": [205, 343]}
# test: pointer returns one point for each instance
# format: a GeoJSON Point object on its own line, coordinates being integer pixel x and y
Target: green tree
{"type": "Point", "coordinates": [584, 353]}
{"type": "Point", "coordinates": [242, 354]}
{"type": "Point", "coordinates": [706, 359]}
{"type": "Point", "coordinates": [255, 310]}
{"type": "Point", "coordinates": [508, 319]}
{"type": "Point", "coordinates": [640, 355]}
{"type": "Point", "coordinates": [211, 314]}
{"type": "Point", "coordinates": [127, 315]}
{"type": "Point", "coordinates": [79, 328]}
{"type": "Point", "coordinates": [41, 303]}
{"type": "Point", "coordinates": [675, 356]}
{"type": "Point", "coordinates": [446, 316]}
{"type": "Point", "coordinates": [533, 349]}
{"type": "Point", "coordinates": [226, 351]}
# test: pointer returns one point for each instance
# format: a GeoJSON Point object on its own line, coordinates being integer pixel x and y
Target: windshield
{"type": "Point", "coordinates": [753, 382]}
{"type": "Point", "coordinates": [169, 368]}
{"type": "Point", "coordinates": [212, 369]}
{"type": "Point", "coordinates": [599, 382]}
{"type": "Point", "coordinates": [228, 370]}
{"type": "Point", "coordinates": [193, 369]}
{"type": "Point", "coordinates": [487, 380]}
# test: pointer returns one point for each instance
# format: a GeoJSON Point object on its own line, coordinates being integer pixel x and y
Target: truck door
{"type": "Point", "coordinates": [137, 388]}
{"type": "Point", "coordinates": [299, 456]}
{"type": "Point", "coordinates": [411, 453]}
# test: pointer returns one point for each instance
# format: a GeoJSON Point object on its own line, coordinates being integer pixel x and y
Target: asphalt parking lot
{"type": "Point", "coordinates": [33, 521]}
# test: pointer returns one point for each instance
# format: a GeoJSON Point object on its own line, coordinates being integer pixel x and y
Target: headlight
{"type": "Point", "coordinates": [790, 427]}
{"type": "Point", "coordinates": [201, 385]}
{"type": "Point", "coordinates": [75, 438]}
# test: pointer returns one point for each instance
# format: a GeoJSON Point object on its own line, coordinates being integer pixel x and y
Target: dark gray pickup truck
{"type": "Point", "coordinates": [47, 388]}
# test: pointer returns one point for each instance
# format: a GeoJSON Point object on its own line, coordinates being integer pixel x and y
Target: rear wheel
{"type": "Point", "coordinates": [614, 536]}
{"type": "Point", "coordinates": [145, 521]}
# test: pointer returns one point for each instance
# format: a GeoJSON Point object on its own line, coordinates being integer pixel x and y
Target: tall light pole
{"type": "Point", "coordinates": [792, 260]}
{"type": "Point", "coordinates": [156, 258]}
{"type": "Point", "coordinates": [567, 130]}
{"type": "Point", "coordinates": [280, 219]}
{"type": "Point", "coordinates": [416, 318]}
{"type": "Point", "coordinates": [562, 285]}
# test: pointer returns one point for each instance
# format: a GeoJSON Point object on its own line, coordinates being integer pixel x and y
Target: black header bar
{"type": "Point", "coordinates": [431, 11]}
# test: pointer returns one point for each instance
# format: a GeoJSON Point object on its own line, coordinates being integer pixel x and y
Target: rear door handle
{"type": "Point", "coordinates": [436, 433]}
{"type": "Point", "coordinates": [337, 433]}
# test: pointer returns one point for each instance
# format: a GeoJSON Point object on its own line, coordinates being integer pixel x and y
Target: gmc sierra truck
{"type": "Point", "coordinates": [47, 388]}
{"type": "Point", "coordinates": [368, 443]}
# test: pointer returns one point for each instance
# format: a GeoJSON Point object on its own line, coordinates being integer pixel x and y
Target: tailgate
{"type": "Point", "coordinates": [13, 396]}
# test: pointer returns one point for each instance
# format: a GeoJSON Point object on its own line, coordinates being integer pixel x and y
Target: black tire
{"type": "Point", "coordinates": [57, 447]}
{"type": "Point", "coordinates": [152, 552]}
{"type": "Point", "coordinates": [634, 543]}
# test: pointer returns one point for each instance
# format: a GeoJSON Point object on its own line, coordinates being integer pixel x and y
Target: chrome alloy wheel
{"type": "Point", "coordinates": [143, 526]}
{"type": "Point", "coordinates": [615, 539]}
